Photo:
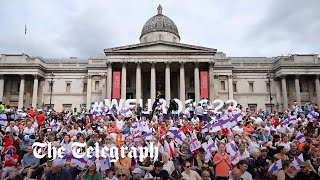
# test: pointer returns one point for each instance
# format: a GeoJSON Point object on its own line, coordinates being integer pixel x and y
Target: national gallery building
{"type": "Point", "coordinates": [159, 62]}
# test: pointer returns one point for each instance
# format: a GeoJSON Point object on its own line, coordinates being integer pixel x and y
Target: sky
{"type": "Point", "coordinates": [83, 28]}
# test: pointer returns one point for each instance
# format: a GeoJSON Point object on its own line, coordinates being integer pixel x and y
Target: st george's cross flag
{"type": "Point", "coordinates": [300, 137]}
{"type": "Point", "coordinates": [297, 162]}
{"type": "Point", "coordinates": [194, 144]}
{"type": "Point", "coordinates": [275, 167]}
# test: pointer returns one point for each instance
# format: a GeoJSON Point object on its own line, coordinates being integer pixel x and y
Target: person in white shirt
{"type": "Point", "coordinates": [119, 122]}
{"type": "Point", "coordinates": [195, 119]}
{"type": "Point", "coordinates": [243, 153]}
{"type": "Point", "coordinates": [168, 165]}
{"type": "Point", "coordinates": [12, 128]}
{"type": "Point", "coordinates": [285, 143]}
{"type": "Point", "coordinates": [281, 129]}
{"type": "Point", "coordinates": [238, 129]}
{"type": "Point", "coordinates": [29, 130]}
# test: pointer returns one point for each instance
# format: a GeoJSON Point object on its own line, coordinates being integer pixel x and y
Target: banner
{"type": "Point", "coordinates": [204, 84]}
{"type": "Point", "coordinates": [116, 85]}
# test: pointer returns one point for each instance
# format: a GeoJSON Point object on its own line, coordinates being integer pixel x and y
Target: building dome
{"type": "Point", "coordinates": [160, 23]}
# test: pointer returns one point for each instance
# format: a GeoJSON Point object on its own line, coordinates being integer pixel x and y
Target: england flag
{"type": "Point", "coordinates": [297, 162]}
{"type": "Point", "coordinates": [275, 167]}
{"type": "Point", "coordinates": [194, 144]}
{"type": "Point", "coordinates": [300, 137]}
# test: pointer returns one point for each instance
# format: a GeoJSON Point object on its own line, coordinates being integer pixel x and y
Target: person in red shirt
{"type": "Point", "coordinates": [9, 140]}
{"type": "Point", "coordinates": [10, 162]}
{"type": "Point", "coordinates": [31, 112]}
{"type": "Point", "coordinates": [186, 128]}
{"type": "Point", "coordinates": [41, 118]}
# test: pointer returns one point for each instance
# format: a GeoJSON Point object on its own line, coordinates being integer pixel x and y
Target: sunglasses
{"type": "Point", "coordinates": [121, 175]}
{"type": "Point", "coordinates": [108, 139]}
{"type": "Point", "coordinates": [187, 166]}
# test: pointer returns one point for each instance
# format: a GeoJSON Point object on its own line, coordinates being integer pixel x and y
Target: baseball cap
{"type": "Point", "coordinates": [176, 174]}
{"type": "Point", "coordinates": [264, 149]}
{"type": "Point", "coordinates": [26, 138]}
{"type": "Point", "coordinates": [158, 164]}
{"type": "Point", "coordinates": [137, 171]}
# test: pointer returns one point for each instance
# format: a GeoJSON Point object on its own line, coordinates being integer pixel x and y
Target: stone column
{"type": "Point", "coordinates": [124, 81]}
{"type": "Point", "coordinates": [230, 88]}
{"type": "Point", "coordinates": [21, 92]}
{"type": "Point", "coordinates": [138, 81]}
{"type": "Point", "coordinates": [35, 91]}
{"type": "Point", "coordinates": [211, 82]}
{"type": "Point", "coordinates": [297, 86]}
{"type": "Point", "coordinates": [196, 82]}
{"type": "Point", "coordinates": [40, 97]}
{"type": "Point", "coordinates": [1, 86]}
{"type": "Point", "coordinates": [278, 93]}
{"type": "Point", "coordinates": [153, 82]}
{"type": "Point", "coordinates": [167, 79]}
{"type": "Point", "coordinates": [104, 90]}
{"type": "Point", "coordinates": [317, 84]}
{"type": "Point", "coordinates": [284, 92]}
{"type": "Point", "coordinates": [109, 81]}
{"type": "Point", "coordinates": [182, 84]}
{"type": "Point", "coordinates": [89, 89]}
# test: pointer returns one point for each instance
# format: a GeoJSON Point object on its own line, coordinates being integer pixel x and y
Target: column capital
{"type": "Point", "coordinates": [182, 62]}
{"type": "Point", "coordinates": [109, 64]}
{"type": "Point", "coordinates": [103, 75]}
{"type": "Point", "coordinates": [89, 76]}
{"type": "Point", "coordinates": [124, 64]}
{"type": "Point", "coordinates": [230, 76]}
{"type": "Point", "coordinates": [216, 76]}
{"type": "Point", "coordinates": [196, 63]}
{"type": "Point", "coordinates": [282, 76]}
{"type": "Point", "coordinates": [211, 64]}
{"type": "Point", "coordinates": [138, 62]}
{"type": "Point", "coordinates": [22, 76]}
{"type": "Point", "coordinates": [167, 62]}
{"type": "Point", "coordinates": [297, 76]}
{"type": "Point", "coordinates": [35, 76]}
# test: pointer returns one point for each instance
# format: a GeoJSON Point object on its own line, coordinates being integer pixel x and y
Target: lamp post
{"type": "Point", "coordinates": [277, 106]}
{"type": "Point", "coordinates": [51, 85]}
{"type": "Point", "coordinates": [270, 97]}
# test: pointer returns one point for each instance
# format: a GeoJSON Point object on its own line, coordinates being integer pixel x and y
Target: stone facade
{"type": "Point", "coordinates": [159, 63]}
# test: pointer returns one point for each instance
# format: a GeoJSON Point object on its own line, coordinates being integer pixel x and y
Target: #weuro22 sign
{"type": "Point", "coordinates": [131, 103]}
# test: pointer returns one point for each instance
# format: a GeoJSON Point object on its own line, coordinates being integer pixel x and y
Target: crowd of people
{"type": "Point", "coordinates": [199, 143]}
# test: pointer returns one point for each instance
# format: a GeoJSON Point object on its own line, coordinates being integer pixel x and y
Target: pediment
{"type": "Point", "coordinates": [159, 47]}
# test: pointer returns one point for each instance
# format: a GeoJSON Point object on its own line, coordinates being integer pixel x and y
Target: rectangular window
{"type": "Point", "coordinates": [67, 107]}
{"type": "Point", "coordinates": [96, 85]}
{"type": "Point", "coordinates": [252, 107]}
{"type": "Point", "coordinates": [68, 87]}
{"type": "Point", "coordinates": [223, 85]}
{"type": "Point", "coordinates": [250, 86]}
{"type": "Point", "coordinates": [84, 87]}
{"type": "Point", "coordinates": [269, 107]}
{"type": "Point", "coordinates": [268, 87]}
{"type": "Point", "coordinates": [234, 85]}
